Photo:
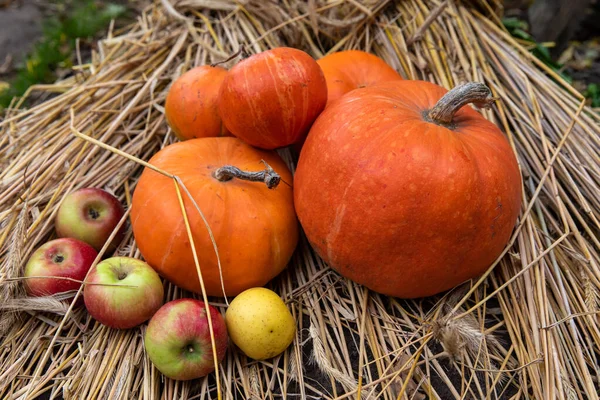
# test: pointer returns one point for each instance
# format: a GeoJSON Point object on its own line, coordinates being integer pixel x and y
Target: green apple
{"type": "Point", "coordinates": [122, 292]}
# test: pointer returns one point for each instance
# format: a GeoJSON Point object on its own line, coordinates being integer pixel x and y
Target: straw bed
{"type": "Point", "coordinates": [529, 328]}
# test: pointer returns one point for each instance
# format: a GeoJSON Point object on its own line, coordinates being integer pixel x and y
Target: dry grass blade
{"type": "Point", "coordinates": [529, 329]}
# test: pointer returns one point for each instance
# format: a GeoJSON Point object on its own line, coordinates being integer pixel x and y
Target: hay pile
{"type": "Point", "coordinates": [529, 328]}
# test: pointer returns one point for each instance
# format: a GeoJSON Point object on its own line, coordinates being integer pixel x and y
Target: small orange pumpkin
{"type": "Point", "coordinates": [352, 69]}
{"type": "Point", "coordinates": [402, 189]}
{"type": "Point", "coordinates": [271, 99]}
{"type": "Point", "coordinates": [191, 107]}
{"type": "Point", "coordinates": [255, 227]}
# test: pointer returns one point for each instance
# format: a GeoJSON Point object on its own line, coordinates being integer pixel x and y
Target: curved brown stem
{"type": "Point", "coordinates": [241, 51]}
{"type": "Point", "coordinates": [472, 92]}
{"type": "Point", "coordinates": [267, 175]}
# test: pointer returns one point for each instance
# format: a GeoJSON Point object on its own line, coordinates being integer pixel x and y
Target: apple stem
{"type": "Point", "coordinates": [122, 275]}
{"type": "Point", "coordinates": [190, 348]}
{"type": "Point", "coordinates": [58, 258]}
{"type": "Point", "coordinates": [268, 175]}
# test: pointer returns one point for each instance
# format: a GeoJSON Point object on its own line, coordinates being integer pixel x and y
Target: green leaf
{"type": "Point", "coordinates": [544, 54]}
{"type": "Point", "coordinates": [521, 34]}
{"type": "Point", "coordinates": [593, 93]}
{"type": "Point", "coordinates": [511, 23]}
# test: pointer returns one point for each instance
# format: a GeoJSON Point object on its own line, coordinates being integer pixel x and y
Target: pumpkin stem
{"type": "Point", "coordinates": [471, 92]}
{"type": "Point", "coordinates": [267, 175]}
{"type": "Point", "coordinates": [241, 51]}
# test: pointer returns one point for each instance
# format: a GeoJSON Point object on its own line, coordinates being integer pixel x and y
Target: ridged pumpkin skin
{"type": "Point", "coordinates": [403, 206]}
{"type": "Point", "coordinates": [255, 228]}
{"type": "Point", "coordinates": [191, 107]}
{"type": "Point", "coordinates": [271, 99]}
{"type": "Point", "coordinates": [352, 69]}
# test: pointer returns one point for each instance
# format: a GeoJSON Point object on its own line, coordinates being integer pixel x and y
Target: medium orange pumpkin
{"type": "Point", "coordinates": [352, 69]}
{"type": "Point", "coordinates": [271, 99]}
{"type": "Point", "coordinates": [406, 196]}
{"type": "Point", "coordinates": [255, 227]}
{"type": "Point", "coordinates": [191, 106]}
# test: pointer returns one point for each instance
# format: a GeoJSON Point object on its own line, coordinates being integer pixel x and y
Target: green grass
{"type": "Point", "coordinates": [76, 19]}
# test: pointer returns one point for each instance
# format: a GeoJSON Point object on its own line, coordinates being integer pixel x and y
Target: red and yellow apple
{"type": "Point", "coordinates": [66, 258]}
{"type": "Point", "coordinates": [178, 340]}
{"type": "Point", "coordinates": [122, 292]}
{"type": "Point", "coordinates": [90, 215]}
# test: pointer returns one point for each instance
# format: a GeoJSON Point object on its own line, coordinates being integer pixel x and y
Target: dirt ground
{"type": "Point", "coordinates": [581, 56]}
{"type": "Point", "coordinates": [21, 25]}
{"type": "Point", "coordinates": [20, 28]}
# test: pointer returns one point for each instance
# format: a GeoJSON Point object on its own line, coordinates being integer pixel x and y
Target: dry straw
{"type": "Point", "coordinates": [528, 329]}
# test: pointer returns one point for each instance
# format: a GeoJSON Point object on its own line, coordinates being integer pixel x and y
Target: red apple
{"type": "Point", "coordinates": [122, 292]}
{"type": "Point", "coordinates": [68, 258]}
{"type": "Point", "coordinates": [178, 339]}
{"type": "Point", "coordinates": [90, 215]}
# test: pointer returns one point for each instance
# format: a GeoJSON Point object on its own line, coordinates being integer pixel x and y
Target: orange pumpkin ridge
{"type": "Point", "coordinates": [400, 203]}
{"type": "Point", "coordinates": [255, 228]}
{"type": "Point", "coordinates": [271, 99]}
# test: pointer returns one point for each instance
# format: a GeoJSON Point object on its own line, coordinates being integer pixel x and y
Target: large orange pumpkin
{"type": "Point", "coordinates": [255, 227]}
{"type": "Point", "coordinates": [352, 69]}
{"type": "Point", "coordinates": [404, 196]}
{"type": "Point", "coordinates": [271, 99]}
{"type": "Point", "coordinates": [191, 107]}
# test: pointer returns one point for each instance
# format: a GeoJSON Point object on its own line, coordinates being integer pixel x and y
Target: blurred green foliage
{"type": "Point", "coordinates": [75, 19]}
{"type": "Point", "coordinates": [518, 29]}
{"type": "Point", "coordinates": [593, 92]}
